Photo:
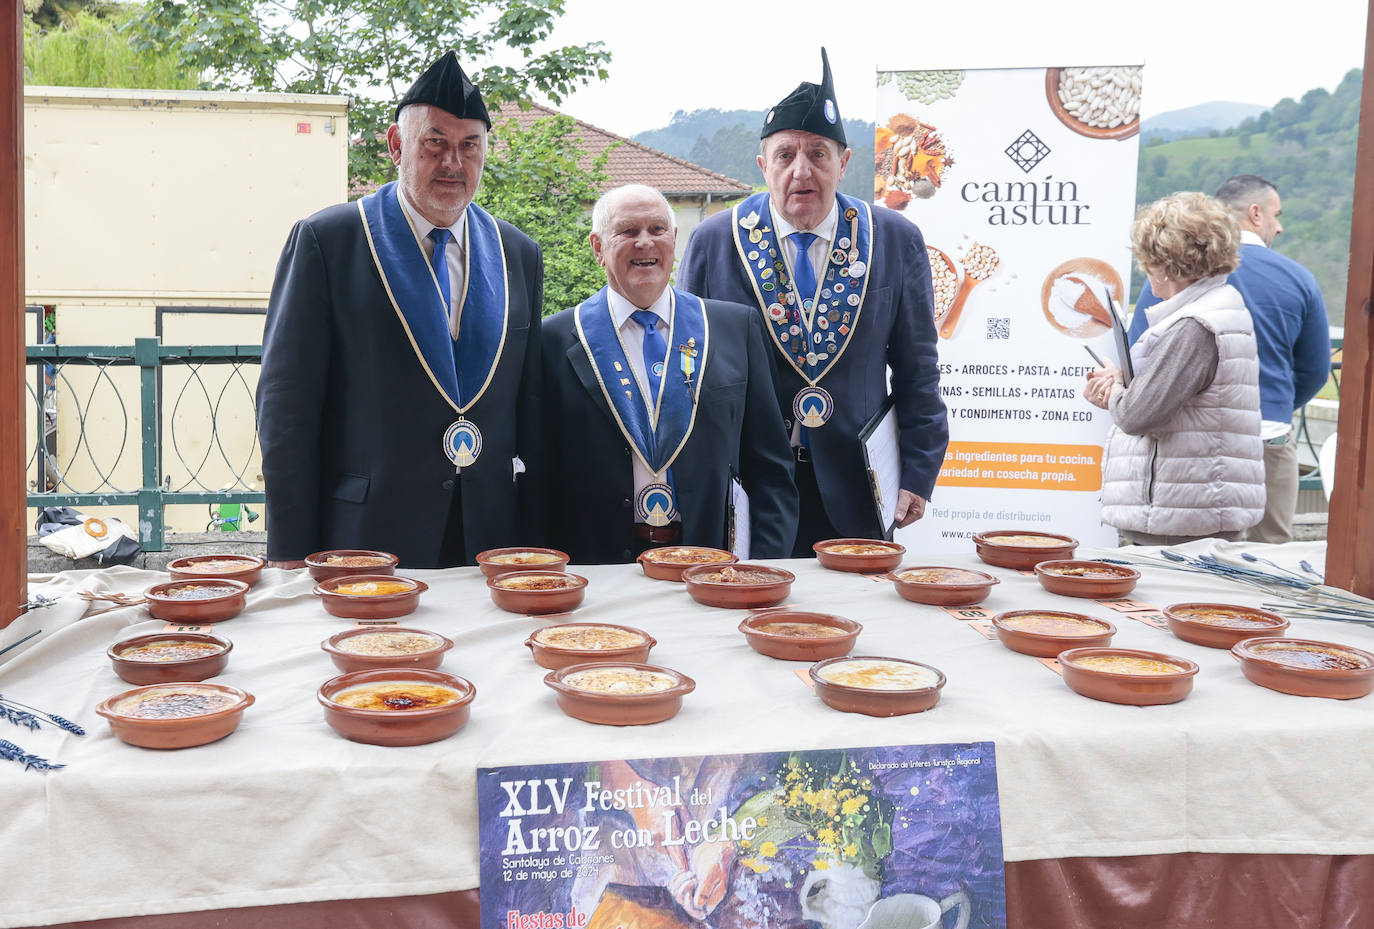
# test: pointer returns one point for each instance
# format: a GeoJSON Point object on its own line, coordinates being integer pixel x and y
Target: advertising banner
{"type": "Point", "coordinates": [1022, 182]}
{"type": "Point", "coordinates": [897, 837]}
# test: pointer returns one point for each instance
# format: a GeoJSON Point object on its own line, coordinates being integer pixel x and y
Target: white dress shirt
{"type": "Point", "coordinates": [453, 256]}
{"type": "Point", "coordinates": [632, 337]}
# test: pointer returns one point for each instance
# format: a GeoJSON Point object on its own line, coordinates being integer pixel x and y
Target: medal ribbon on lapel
{"type": "Point", "coordinates": [656, 439]}
{"type": "Point", "coordinates": [415, 295]}
{"type": "Point", "coordinates": [811, 339]}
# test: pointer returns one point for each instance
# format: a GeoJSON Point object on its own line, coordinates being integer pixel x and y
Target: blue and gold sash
{"type": "Point", "coordinates": [414, 293]}
{"type": "Point", "coordinates": [656, 435]}
{"type": "Point", "coordinates": [810, 330]}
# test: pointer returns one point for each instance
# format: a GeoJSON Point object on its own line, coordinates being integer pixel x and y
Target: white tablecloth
{"type": "Point", "coordinates": [284, 810]}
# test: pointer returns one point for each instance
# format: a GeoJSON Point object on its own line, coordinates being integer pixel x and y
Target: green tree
{"type": "Point", "coordinates": [542, 182]}
{"type": "Point", "coordinates": [94, 49]}
{"type": "Point", "coordinates": [370, 50]}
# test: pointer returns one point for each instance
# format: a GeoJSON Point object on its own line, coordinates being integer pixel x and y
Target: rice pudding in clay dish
{"type": "Point", "coordinates": [176, 715]}
{"type": "Point", "coordinates": [1091, 579]}
{"type": "Point", "coordinates": [396, 706]}
{"type": "Point", "coordinates": [246, 568]}
{"type": "Point", "coordinates": [738, 586]}
{"type": "Point", "coordinates": [198, 600]}
{"type": "Point", "coordinates": [1022, 549]}
{"type": "Point", "coordinates": [618, 693]}
{"type": "Point", "coordinates": [166, 657]}
{"type": "Point", "coordinates": [877, 686]}
{"type": "Point", "coordinates": [1306, 667]}
{"type": "Point", "coordinates": [577, 643]}
{"type": "Point", "coordinates": [1046, 633]}
{"type": "Point", "coordinates": [937, 585]}
{"type": "Point", "coordinates": [796, 635]}
{"type": "Point", "coordinates": [1221, 625]}
{"type": "Point", "coordinates": [861, 556]}
{"type": "Point", "coordinates": [324, 565]}
{"type": "Point", "coordinates": [504, 560]}
{"type": "Point", "coordinates": [668, 563]}
{"type": "Point", "coordinates": [537, 592]}
{"type": "Point", "coordinates": [1128, 676]}
{"type": "Point", "coordinates": [365, 596]}
{"type": "Point", "coordinates": [394, 647]}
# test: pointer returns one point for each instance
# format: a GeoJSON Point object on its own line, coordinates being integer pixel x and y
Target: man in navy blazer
{"type": "Point", "coordinates": [398, 397]}
{"type": "Point", "coordinates": [845, 294]}
{"type": "Point", "coordinates": [655, 401]}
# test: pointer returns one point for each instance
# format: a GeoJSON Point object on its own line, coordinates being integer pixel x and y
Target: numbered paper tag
{"type": "Point", "coordinates": [984, 628]}
{"type": "Point", "coordinates": [376, 622]}
{"type": "Point", "coordinates": [188, 627]}
{"type": "Point", "coordinates": [1127, 605]}
{"type": "Point", "coordinates": [1052, 664]}
{"type": "Point", "coordinates": [968, 612]}
{"type": "Point", "coordinates": [804, 675]}
{"type": "Point", "coordinates": [1156, 619]}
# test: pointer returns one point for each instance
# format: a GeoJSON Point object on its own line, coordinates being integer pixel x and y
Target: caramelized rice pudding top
{"type": "Point", "coordinates": [174, 701]}
{"type": "Point", "coordinates": [859, 548]}
{"type": "Point", "coordinates": [525, 558]}
{"type": "Point", "coordinates": [1027, 541]}
{"type": "Point", "coordinates": [356, 561]}
{"type": "Point", "coordinates": [397, 696]}
{"type": "Point", "coordinates": [800, 630]}
{"type": "Point", "coordinates": [373, 588]}
{"type": "Point", "coordinates": [1222, 616]}
{"type": "Point", "coordinates": [1320, 657]}
{"type": "Point", "coordinates": [1126, 664]}
{"type": "Point", "coordinates": [199, 592]}
{"type": "Point", "coordinates": [536, 582]}
{"type": "Point", "coordinates": [620, 681]}
{"type": "Point", "coordinates": [1052, 624]}
{"type": "Point", "coordinates": [686, 555]}
{"type": "Point", "coordinates": [169, 650]}
{"type": "Point", "coordinates": [733, 575]}
{"type": "Point", "coordinates": [879, 674]}
{"type": "Point", "coordinates": [941, 576]}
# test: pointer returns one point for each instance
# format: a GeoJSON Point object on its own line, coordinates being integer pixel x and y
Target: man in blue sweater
{"type": "Point", "coordinates": [1292, 335]}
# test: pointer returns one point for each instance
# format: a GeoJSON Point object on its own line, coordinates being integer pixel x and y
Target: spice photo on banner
{"type": "Point", "coordinates": [860, 838]}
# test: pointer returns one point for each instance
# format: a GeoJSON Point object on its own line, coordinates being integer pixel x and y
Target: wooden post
{"type": "Point", "coordinates": [13, 518]}
{"type": "Point", "coordinates": [1350, 533]}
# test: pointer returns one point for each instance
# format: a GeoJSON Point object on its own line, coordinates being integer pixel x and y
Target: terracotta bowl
{"type": "Point", "coordinates": [246, 568]}
{"type": "Point", "coordinates": [496, 561]}
{"type": "Point", "coordinates": [1225, 626]}
{"type": "Point", "coordinates": [619, 709]}
{"type": "Point", "coordinates": [796, 644]}
{"type": "Point", "coordinates": [378, 563]}
{"type": "Point", "coordinates": [387, 647]}
{"type": "Point", "coordinates": [339, 602]}
{"type": "Point", "coordinates": [1047, 641]}
{"type": "Point", "coordinates": [665, 564]}
{"type": "Point", "coordinates": [1306, 667]}
{"type": "Point", "coordinates": [1124, 131]}
{"type": "Point", "coordinates": [220, 709]}
{"type": "Point", "coordinates": [1022, 557]}
{"type": "Point", "coordinates": [229, 600]}
{"type": "Point", "coordinates": [872, 701]}
{"type": "Point", "coordinates": [533, 601]}
{"type": "Point", "coordinates": [578, 643]}
{"type": "Point", "coordinates": [886, 558]}
{"type": "Point", "coordinates": [736, 596]}
{"type": "Point", "coordinates": [205, 657]}
{"type": "Point", "coordinates": [1095, 581]}
{"type": "Point", "coordinates": [414, 726]}
{"type": "Point", "coordinates": [1132, 689]}
{"type": "Point", "coordinates": [961, 586]}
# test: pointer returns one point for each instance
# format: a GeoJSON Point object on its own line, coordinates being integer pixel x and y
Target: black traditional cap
{"type": "Point", "coordinates": [446, 86]}
{"type": "Point", "coordinates": [810, 108]}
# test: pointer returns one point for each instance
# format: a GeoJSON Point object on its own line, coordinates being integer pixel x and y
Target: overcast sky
{"type": "Point", "coordinates": [729, 53]}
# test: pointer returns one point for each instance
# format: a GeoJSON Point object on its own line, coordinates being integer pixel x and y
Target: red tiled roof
{"type": "Point", "coordinates": [631, 162]}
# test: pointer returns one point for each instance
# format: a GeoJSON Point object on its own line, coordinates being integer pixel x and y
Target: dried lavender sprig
{"type": "Point", "coordinates": [19, 717]}
{"type": "Point", "coordinates": [1253, 558]}
{"type": "Point", "coordinates": [58, 721]}
{"type": "Point", "coordinates": [11, 752]}
{"type": "Point", "coordinates": [1306, 566]}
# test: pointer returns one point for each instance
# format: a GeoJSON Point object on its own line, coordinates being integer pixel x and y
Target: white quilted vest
{"type": "Point", "coordinates": [1203, 472]}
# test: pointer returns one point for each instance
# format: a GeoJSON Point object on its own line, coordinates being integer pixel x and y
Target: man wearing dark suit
{"type": "Point", "coordinates": [399, 388]}
{"type": "Point", "coordinates": [653, 399]}
{"type": "Point", "coordinates": [845, 294]}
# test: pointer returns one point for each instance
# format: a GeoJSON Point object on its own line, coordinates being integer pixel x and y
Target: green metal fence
{"type": "Point", "coordinates": [85, 377]}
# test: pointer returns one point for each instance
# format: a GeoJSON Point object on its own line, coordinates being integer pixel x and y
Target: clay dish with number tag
{"type": "Point", "coordinates": [163, 657]}
{"type": "Point", "coordinates": [796, 635]}
{"type": "Point", "coordinates": [246, 568]}
{"type": "Point", "coordinates": [197, 601]}
{"type": "Point", "coordinates": [324, 565]}
{"type": "Point", "coordinates": [938, 585]}
{"type": "Point", "coordinates": [370, 648]}
{"type": "Point", "coordinates": [496, 561]}
{"type": "Point", "coordinates": [175, 715]}
{"type": "Point", "coordinates": [619, 693]}
{"type": "Point", "coordinates": [1127, 675]}
{"type": "Point", "coordinates": [877, 686]}
{"type": "Point", "coordinates": [1221, 625]}
{"type": "Point", "coordinates": [1306, 667]}
{"type": "Point", "coordinates": [396, 706]}
{"type": "Point", "coordinates": [536, 593]}
{"type": "Point", "coordinates": [861, 556]}
{"type": "Point", "coordinates": [566, 644]}
{"type": "Point", "coordinates": [1090, 579]}
{"type": "Point", "coordinates": [1022, 549]}
{"type": "Point", "coordinates": [738, 586]}
{"type": "Point", "coordinates": [1046, 633]}
{"type": "Point", "coordinates": [364, 596]}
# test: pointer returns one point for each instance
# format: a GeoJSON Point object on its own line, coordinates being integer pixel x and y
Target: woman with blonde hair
{"type": "Point", "coordinates": [1184, 459]}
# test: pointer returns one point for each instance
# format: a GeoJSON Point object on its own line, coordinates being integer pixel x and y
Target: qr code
{"type": "Point", "coordinates": [999, 327]}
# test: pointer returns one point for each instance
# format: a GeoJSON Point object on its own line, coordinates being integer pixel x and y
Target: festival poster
{"type": "Point", "coordinates": [1022, 182]}
{"type": "Point", "coordinates": [897, 837]}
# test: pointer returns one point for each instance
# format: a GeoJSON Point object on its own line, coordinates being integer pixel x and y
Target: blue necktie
{"type": "Point", "coordinates": [439, 263]}
{"type": "Point", "coordinates": [805, 272]}
{"type": "Point", "coordinates": [655, 351]}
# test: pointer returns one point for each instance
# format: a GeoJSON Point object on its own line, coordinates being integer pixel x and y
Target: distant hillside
{"type": "Point", "coordinates": [1307, 148]}
{"type": "Point", "coordinates": [1198, 120]}
{"type": "Point", "coordinates": [728, 141]}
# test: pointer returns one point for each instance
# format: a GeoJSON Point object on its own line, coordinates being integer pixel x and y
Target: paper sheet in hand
{"type": "Point", "coordinates": [738, 530]}
{"type": "Point", "coordinates": [883, 458]}
{"type": "Point", "coordinates": [1123, 343]}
